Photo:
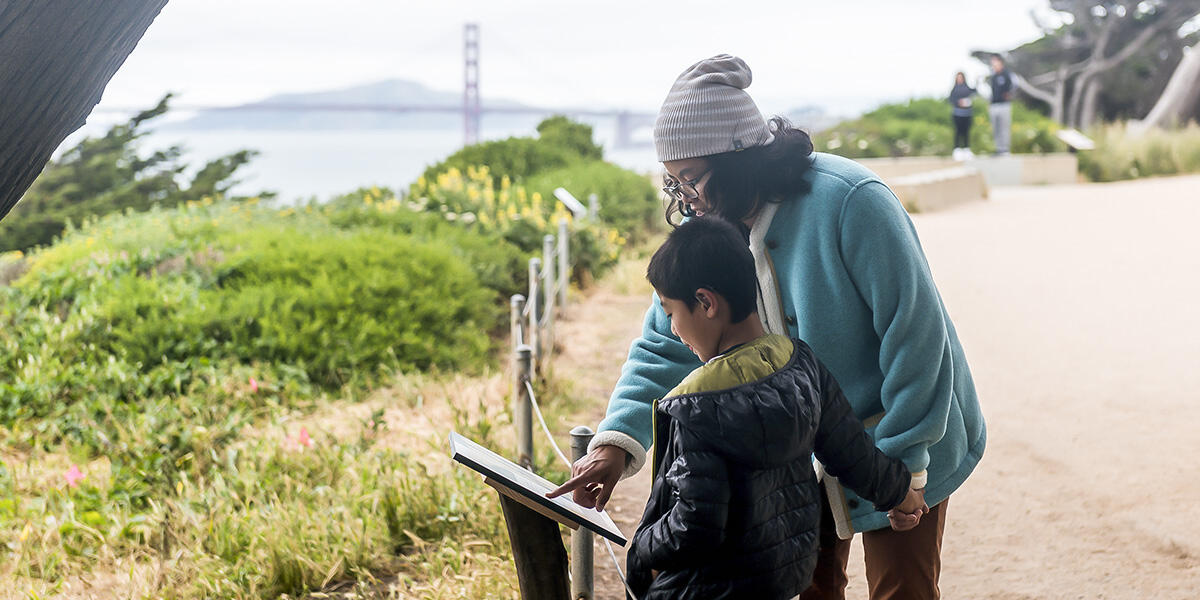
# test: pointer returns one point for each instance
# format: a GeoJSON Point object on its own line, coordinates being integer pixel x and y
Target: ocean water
{"type": "Point", "coordinates": [320, 164]}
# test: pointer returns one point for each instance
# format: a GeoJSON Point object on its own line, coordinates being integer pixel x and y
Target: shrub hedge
{"type": "Point", "coordinates": [1120, 154]}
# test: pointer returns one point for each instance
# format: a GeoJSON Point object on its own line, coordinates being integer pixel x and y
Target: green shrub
{"type": "Point", "coordinates": [1120, 154]}
{"type": "Point", "coordinates": [514, 157]}
{"type": "Point", "coordinates": [499, 264]}
{"type": "Point", "coordinates": [923, 127]}
{"type": "Point", "coordinates": [506, 188]}
{"type": "Point", "coordinates": [575, 137]}
{"type": "Point", "coordinates": [138, 305]}
{"type": "Point", "coordinates": [522, 217]}
{"type": "Point", "coordinates": [560, 142]}
{"type": "Point", "coordinates": [628, 201]}
{"type": "Point", "coordinates": [339, 306]}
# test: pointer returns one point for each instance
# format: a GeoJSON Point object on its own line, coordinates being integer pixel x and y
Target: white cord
{"type": "Point", "coordinates": [617, 564]}
{"type": "Point", "coordinates": [607, 544]}
{"type": "Point", "coordinates": [537, 411]}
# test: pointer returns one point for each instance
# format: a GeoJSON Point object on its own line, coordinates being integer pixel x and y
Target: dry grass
{"type": "Point", "coordinates": [1121, 154]}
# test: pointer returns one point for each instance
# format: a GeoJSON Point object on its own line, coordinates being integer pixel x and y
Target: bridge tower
{"type": "Point", "coordinates": [471, 108]}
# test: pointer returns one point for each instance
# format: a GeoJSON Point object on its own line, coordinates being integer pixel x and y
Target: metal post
{"type": "Point", "coordinates": [515, 325]}
{"type": "Point", "coordinates": [582, 560]}
{"type": "Point", "coordinates": [564, 277]}
{"type": "Point", "coordinates": [593, 207]}
{"type": "Point", "coordinates": [548, 293]}
{"type": "Point", "coordinates": [522, 409]}
{"type": "Point", "coordinates": [534, 332]}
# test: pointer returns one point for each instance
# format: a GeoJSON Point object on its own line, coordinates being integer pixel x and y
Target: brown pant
{"type": "Point", "coordinates": [901, 565]}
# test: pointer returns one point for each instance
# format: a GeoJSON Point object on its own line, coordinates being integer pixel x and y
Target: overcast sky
{"type": "Point", "coordinates": [845, 56]}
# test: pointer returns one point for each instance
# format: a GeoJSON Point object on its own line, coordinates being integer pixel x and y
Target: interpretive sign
{"type": "Point", "coordinates": [530, 489]}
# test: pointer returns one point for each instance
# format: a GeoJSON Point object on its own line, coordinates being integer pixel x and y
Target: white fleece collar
{"type": "Point", "coordinates": [770, 305]}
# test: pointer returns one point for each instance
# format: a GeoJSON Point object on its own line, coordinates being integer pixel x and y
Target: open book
{"type": "Point", "coordinates": [529, 489]}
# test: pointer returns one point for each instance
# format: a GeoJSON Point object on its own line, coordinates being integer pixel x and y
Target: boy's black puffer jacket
{"type": "Point", "coordinates": [734, 509]}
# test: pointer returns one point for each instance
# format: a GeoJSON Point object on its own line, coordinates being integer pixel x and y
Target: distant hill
{"type": "Point", "coordinates": [260, 115]}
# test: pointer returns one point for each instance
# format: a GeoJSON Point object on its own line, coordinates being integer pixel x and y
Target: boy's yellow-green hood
{"type": "Point", "coordinates": [754, 404]}
{"type": "Point", "coordinates": [751, 362]}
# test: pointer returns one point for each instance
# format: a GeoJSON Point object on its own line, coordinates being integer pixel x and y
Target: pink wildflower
{"type": "Point", "coordinates": [73, 476]}
{"type": "Point", "coordinates": [303, 438]}
{"type": "Point", "coordinates": [253, 385]}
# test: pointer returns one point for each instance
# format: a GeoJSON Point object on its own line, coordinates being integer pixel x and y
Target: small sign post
{"type": "Point", "coordinates": [575, 206]}
{"type": "Point", "coordinates": [532, 519]}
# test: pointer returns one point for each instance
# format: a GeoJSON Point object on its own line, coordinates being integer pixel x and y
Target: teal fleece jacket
{"type": "Point", "coordinates": [855, 285]}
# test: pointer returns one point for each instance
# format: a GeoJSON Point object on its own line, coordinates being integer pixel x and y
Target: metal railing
{"type": "Point", "coordinates": [532, 316]}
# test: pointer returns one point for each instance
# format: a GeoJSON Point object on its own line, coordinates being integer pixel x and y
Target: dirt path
{"type": "Point", "coordinates": [1077, 308]}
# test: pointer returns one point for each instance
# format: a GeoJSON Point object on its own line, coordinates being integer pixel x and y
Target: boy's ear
{"type": "Point", "coordinates": [708, 302]}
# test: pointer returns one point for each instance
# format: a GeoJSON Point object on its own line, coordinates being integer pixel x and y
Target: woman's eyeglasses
{"type": "Point", "coordinates": [682, 190]}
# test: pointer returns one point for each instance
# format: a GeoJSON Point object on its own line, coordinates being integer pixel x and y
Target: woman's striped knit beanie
{"type": "Point", "coordinates": [709, 112]}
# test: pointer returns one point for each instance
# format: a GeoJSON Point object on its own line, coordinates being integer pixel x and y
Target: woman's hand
{"type": "Point", "coordinates": [908, 514]}
{"type": "Point", "coordinates": [594, 476]}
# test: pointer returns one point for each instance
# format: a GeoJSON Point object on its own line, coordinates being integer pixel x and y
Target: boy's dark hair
{"type": "Point", "coordinates": [711, 253]}
{"type": "Point", "coordinates": [743, 180]}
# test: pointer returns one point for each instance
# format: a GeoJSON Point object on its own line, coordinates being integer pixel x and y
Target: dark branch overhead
{"type": "Point", "coordinates": [56, 57]}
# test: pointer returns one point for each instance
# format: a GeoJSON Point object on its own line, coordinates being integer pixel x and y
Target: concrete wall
{"type": "Point", "coordinates": [940, 189]}
{"type": "Point", "coordinates": [1012, 169]}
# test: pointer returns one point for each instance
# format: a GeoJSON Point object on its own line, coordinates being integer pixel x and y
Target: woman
{"type": "Point", "coordinates": [960, 99]}
{"type": "Point", "coordinates": [839, 266]}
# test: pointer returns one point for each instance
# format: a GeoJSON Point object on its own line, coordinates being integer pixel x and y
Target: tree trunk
{"type": "Point", "coordinates": [56, 56]}
{"type": "Point", "coordinates": [1091, 96]}
{"type": "Point", "coordinates": [1070, 105]}
{"type": "Point", "coordinates": [1056, 108]}
{"type": "Point", "coordinates": [1180, 97]}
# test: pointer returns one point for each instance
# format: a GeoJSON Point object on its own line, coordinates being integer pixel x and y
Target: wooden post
{"type": "Point", "coordinates": [538, 551]}
{"type": "Point", "coordinates": [564, 266]}
{"type": "Point", "coordinates": [582, 560]}
{"type": "Point", "coordinates": [548, 297]}
{"type": "Point", "coordinates": [534, 337]}
{"type": "Point", "coordinates": [522, 409]}
{"type": "Point", "coordinates": [515, 325]}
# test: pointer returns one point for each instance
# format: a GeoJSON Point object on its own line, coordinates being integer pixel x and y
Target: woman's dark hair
{"type": "Point", "coordinates": [742, 180]}
{"type": "Point", "coordinates": [711, 253]}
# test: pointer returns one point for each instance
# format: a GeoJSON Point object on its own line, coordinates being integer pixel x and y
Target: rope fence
{"type": "Point", "coordinates": [532, 324]}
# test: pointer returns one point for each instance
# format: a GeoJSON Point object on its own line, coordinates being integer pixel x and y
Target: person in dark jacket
{"type": "Point", "coordinates": [1001, 108]}
{"type": "Point", "coordinates": [735, 506]}
{"type": "Point", "coordinates": [960, 100]}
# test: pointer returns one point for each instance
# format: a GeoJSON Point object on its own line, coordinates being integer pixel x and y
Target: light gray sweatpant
{"type": "Point", "coordinates": [1001, 114]}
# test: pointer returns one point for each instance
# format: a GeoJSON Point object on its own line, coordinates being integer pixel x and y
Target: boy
{"type": "Point", "coordinates": [734, 509]}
